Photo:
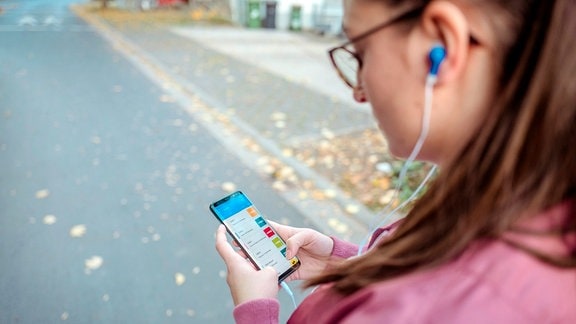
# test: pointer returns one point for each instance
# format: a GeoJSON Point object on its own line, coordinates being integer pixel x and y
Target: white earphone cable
{"type": "Point", "coordinates": [286, 288]}
{"type": "Point", "coordinates": [426, 116]}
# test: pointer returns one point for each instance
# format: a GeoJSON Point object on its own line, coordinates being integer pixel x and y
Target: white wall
{"type": "Point", "coordinates": [283, 12]}
{"type": "Point", "coordinates": [316, 14]}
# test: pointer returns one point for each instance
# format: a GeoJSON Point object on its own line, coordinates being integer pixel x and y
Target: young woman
{"type": "Point", "coordinates": [494, 237]}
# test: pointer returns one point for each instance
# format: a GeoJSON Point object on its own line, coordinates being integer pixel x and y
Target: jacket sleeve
{"type": "Point", "coordinates": [258, 311]}
{"type": "Point", "coordinates": [343, 249]}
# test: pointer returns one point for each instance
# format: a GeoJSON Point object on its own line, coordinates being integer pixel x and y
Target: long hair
{"type": "Point", "coordinates": [521, 162]}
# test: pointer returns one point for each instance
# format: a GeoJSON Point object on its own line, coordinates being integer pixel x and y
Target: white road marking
{"type": "Point", "coordinates": [27, 21]}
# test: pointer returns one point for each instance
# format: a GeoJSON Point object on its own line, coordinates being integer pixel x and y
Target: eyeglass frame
{"type": "Point", "coordinates": [402, 17]}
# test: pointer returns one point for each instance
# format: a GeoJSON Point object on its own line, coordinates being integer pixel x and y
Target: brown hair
{"type": "Point", "coordinates": [521, 162]}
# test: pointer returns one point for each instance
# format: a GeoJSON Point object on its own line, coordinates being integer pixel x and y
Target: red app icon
{"type": "Point", "coordinates": [269, 232]}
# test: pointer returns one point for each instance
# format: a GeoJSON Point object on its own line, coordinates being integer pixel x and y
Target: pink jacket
{"type": "Point", "coordinates": [490, 283]}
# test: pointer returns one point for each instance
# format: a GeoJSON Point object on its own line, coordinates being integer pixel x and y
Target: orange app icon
{"type": "Point", "coordinates": [252, 212]}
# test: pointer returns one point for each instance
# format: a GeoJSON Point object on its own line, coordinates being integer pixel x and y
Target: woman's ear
{"type": "Point", "coordinates": [442, 23]}
{"type": "Point", "coordinates": [359, 94]}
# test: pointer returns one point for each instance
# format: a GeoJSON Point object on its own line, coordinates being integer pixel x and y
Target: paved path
{"type": "Point", "coordinates": [297, 57]}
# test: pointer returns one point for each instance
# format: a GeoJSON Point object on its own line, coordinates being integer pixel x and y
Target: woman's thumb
{"type": "Point", "coordinates": [293, 245]}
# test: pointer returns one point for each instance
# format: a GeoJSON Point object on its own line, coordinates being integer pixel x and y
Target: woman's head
{"type": "Point", "coordinates": [505, 101]}
{"type": "Point", "coordinates": [476, 34]}
{"type": "Point", "coordinates": [513, 90]}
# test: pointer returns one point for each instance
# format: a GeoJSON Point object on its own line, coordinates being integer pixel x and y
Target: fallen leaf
{"type": "Point", "coordinates": [277, 116]}
{"type": "Point", "coordinates": [228, 186]}
{"type": "Point", "coordinates": [41, 194]}
{"type": "Point", "coordinates": [78, 231]}
{"type": "Point", "coordinates": [337, 225]}
{"type": "Point", "coordinates": [179, 278]}
{"type": "Point", "coordinates": [330, 193]}
{"type": "Point", "coordinates": [93, 263]}
{"type": "Point", "coordinates": [352, 209]}
{"type": "Point", "coordinates": [49, 219]}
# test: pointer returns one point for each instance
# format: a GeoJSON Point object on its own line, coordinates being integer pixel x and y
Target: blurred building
{"type": "Point", "coordinates": [149, 4]}
{"type": "Point", "coordinates": [322, 16]}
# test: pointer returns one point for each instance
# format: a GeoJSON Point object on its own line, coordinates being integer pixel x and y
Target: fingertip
{"type": "Point", "coordinates": [292, 247]}
{"type": "Point", "coordinates": [221, 237]}
{"type": "Point", "coordinates": [219, 231]}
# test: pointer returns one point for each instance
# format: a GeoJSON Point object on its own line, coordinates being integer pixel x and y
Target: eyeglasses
{"type": "Point", "coordinates": [347, 63]}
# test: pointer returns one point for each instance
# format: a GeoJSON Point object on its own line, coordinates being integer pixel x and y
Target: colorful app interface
{"type": "Point", "coordinates": [255, 234]}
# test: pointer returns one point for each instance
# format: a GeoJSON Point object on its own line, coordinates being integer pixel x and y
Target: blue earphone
{"type": "Point", "coordinates": [436, 56]}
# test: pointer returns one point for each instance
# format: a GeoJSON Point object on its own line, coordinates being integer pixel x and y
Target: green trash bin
{"type": "Point", "coordinates": [254, 20]}
{"type": "Point", "coordinates": [296, 18]}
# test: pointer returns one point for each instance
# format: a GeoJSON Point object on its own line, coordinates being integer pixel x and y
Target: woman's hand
{"type": "Point", "coordinates": [245, 282]}
{"type": "Point", "coordinates": [311, 247]}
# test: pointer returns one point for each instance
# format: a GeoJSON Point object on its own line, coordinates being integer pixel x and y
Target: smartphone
{"type": "Point", "coordinates": [261, 243]}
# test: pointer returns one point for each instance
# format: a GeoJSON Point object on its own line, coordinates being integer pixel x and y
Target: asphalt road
{"type": "Point", "coordinates": [105, 183]}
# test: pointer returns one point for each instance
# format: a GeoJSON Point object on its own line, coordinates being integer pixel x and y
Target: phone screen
{"type": "Point", "coordinates": [256, 237]}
